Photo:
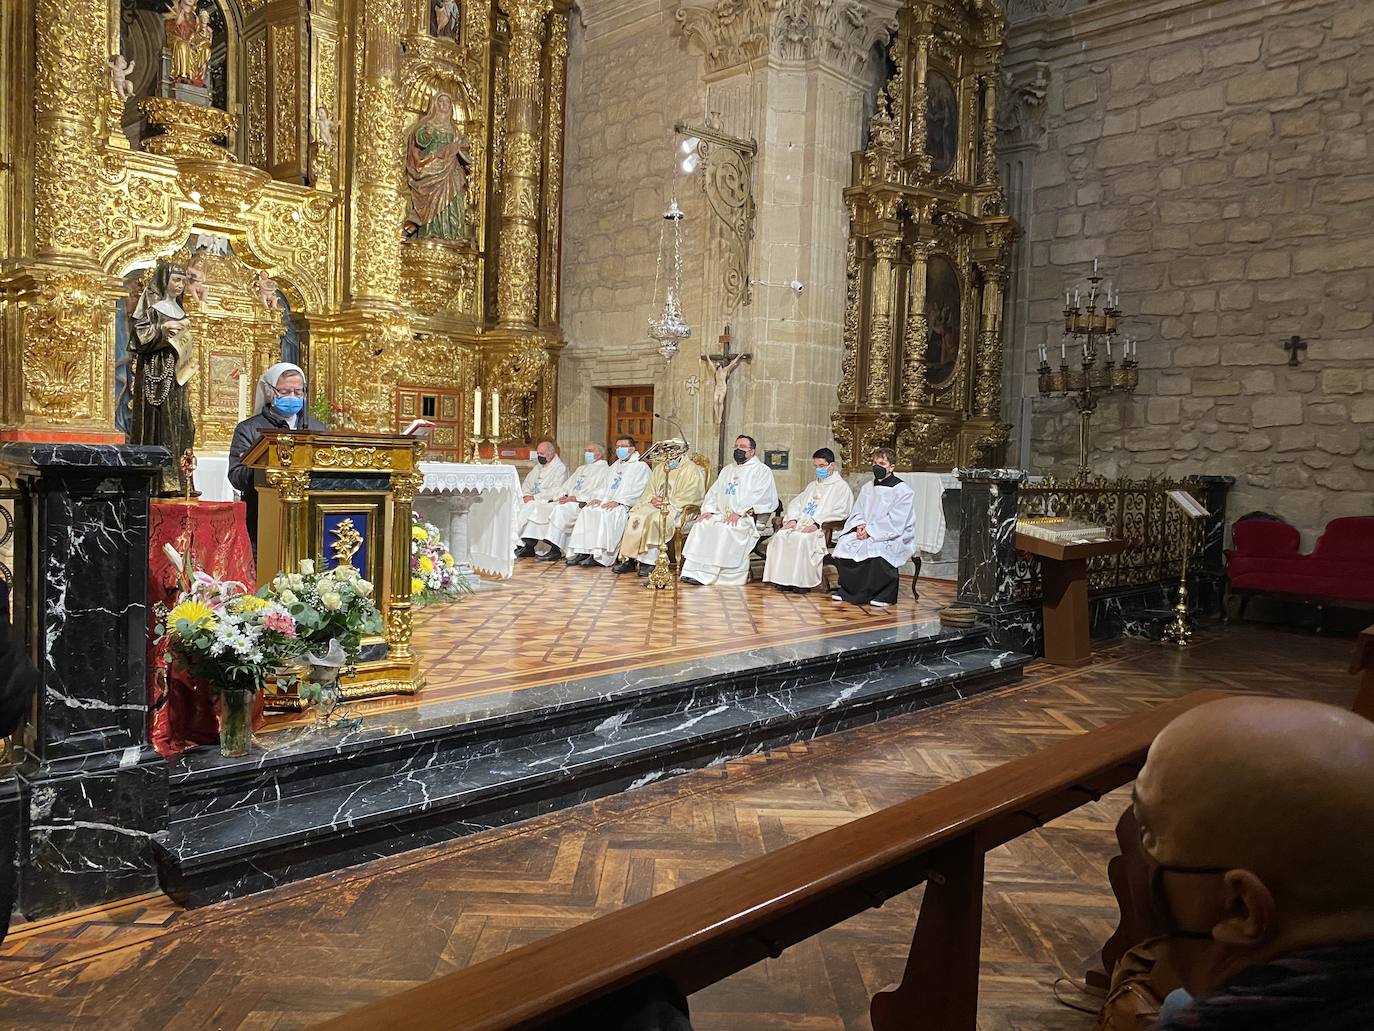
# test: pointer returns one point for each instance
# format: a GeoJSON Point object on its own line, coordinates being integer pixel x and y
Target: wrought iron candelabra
{"type": "Point", "coordinates": [1086, 329]}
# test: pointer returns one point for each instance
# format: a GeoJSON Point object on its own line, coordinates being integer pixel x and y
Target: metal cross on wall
{"type": "Point", "coordinates": [724, 364]}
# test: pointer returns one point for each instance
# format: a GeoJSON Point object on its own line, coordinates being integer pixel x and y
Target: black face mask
{"type": "Point", "coordinates": [740, 456]}
{"type": "Point", "coordinates": [880, 474]}
{"type": "Point", "coordinates": [1159, 899]}
{"type": "Point", "coordinates": [543, 460]}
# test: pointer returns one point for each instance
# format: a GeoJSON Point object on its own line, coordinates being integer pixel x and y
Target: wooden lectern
{"type": "Point", "coordinates": [346, 498]}
{"type": "Point", "coordinates": [1064, 579]}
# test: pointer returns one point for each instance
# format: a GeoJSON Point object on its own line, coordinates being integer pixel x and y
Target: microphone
{"type": "Point", "coordinates": [674, 424]}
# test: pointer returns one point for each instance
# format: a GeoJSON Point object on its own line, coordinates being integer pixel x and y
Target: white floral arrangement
{"type": "Point", "coordinates": [335, 604]}
{"type": "Point", "coordinates": [434, 575]}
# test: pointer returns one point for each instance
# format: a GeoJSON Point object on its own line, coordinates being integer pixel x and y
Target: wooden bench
{"type": "Point", "coordinates": [705, 931]}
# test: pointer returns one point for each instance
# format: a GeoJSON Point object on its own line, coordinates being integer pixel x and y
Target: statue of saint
{"type": "Point", "coordinates": [160, 343]}
{"type": "Point", "coordinates": [190, 40]}
{"type": "Point", "coordinates": [438, 159]}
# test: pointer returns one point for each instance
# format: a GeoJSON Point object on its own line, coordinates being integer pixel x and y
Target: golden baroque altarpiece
{"type": "Point", "coordinates": [928, 250]}
{"type": "Point", "coordinates": [378, 180]}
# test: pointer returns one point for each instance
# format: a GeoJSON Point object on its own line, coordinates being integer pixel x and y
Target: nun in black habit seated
{"type": "Point", "coordinates": [280, 404]}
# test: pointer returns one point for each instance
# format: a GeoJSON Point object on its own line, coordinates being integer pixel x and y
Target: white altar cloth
{"type": "Point", "coordinates": [212, 478]}
{"type": "Point", "coordinates": [487, 498]}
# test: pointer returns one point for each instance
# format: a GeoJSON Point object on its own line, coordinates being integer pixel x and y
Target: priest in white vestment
{"type": "Point", "coordinates": [797, 550]}
{"type": "Point", "coordinates": [673, 486]}
{"type": "Point", "coordinates": [540, 487]}
{"type": "Point", "coordinates": [878, 538]}
{"type": "Point", "coordinates": [596, 537]}
{"type": "Point", "coordinates": [717, 549]}
{"type": "Point", "coordinates": [583, 485]}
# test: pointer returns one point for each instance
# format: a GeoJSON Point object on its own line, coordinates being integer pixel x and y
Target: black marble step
{"type": "Point", "coordinates": [327, 819]}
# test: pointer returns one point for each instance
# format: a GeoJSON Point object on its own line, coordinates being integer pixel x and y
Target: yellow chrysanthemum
{"type": "Point", "coordinates": [448, 560]}
{"type": "Point", "coordinates": [197, 613]}
{"type": "Point", "coordinates": [250, 603]}
{"type": "Point", "coordinates": [418, 533]}
{"type": "Point", "coordinates": [416, 585]}
{"type": "Point", "coordinates": [426, 564]}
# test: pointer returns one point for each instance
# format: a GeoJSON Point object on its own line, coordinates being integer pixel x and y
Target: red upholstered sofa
{"type": "Point", "coordinates": [1264, 559]}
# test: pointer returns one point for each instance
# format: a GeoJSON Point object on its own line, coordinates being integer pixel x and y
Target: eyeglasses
{"type": "Point", "coordinates": [289, 391]}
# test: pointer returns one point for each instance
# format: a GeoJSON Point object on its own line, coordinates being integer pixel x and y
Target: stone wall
{"type": "Point", "coordinates": [1216, 156]}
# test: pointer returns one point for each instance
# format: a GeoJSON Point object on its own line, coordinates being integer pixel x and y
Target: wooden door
{"type": "Point", "coordinates": [631, 411]}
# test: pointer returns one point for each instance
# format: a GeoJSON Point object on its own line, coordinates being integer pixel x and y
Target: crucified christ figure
{"type": "Point", "coordinates": [722, 371]}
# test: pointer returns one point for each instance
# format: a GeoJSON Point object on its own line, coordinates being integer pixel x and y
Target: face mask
{"type": "Point", "coordinates": [622, 453]}
{"type": "Point", "coordinates": [1159, 899]}
{"type": "Point", "coordinates": [880, 473]}
{"type": "Point", "coordinates": [822, 472]}
{"type": "Point", "coordinates": [674, 463]}
{"type": "Point", "coordinates": [740, 456]}
{"type": "Point", "coordinates": [589, 457]}
{"type": "Point", "coordinates": [543, 460]}
{"type": "Point", "coordinates": [288, 405]}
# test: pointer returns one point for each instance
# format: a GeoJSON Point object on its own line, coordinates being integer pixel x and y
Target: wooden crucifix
{"type": "Point", "coordinates": [723, 365]}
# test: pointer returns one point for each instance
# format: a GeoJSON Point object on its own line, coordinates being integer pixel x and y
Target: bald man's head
{"type": "Point", "coordinates": [1278, 795]}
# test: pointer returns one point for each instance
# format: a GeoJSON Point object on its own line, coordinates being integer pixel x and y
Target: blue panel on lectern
{"type": "Point", "coordinates": [352, 529]}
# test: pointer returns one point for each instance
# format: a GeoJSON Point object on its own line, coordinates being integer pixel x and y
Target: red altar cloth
{"type": "Point", "coordinates": [183, 715]}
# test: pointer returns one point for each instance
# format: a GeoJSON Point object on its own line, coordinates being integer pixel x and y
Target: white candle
{"type": "Point", "coordinates": [1109, 347]}
{"type": "Point", "coordinates": [1066, 297]}
{"type": "Point", "coordinates": [243, 394]}
{"type": "Point", "coordinates": [1063, 351]}
{"type": "Point", "coordinates": [477, 412]}
{"type": "Point", "coordinates": [1075, 297]}
{"type": "Point", "coordinates": [1043, 356]}
{"type": "Point", "coordinates": [1094, 265]}
{"type": "Point", "coordinates": [495, 414]}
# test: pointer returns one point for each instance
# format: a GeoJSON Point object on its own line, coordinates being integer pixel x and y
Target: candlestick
{"type": "Point", "coordinates": [495, 414]}
{"type": "Point", "coordinates": [477, 412]}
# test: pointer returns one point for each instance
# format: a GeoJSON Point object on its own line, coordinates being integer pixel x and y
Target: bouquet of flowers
{"type": "Point", "coordinates": [333, 605]}
{"type": "Point", "coordinates": [433, 575]}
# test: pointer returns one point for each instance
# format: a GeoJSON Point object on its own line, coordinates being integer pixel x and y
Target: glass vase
{"type": "Point", "coordinates": [235, 708]}
{"type": "Point", "coordinates": [327, 679]}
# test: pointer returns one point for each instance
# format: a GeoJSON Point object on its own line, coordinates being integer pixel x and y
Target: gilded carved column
{"type": "Point", "coordinates": [553, 165]}
{"type": "Point", "coordinates": [918, 106]}
{"type": "Point", "coordinates": [987, 384]}
{"type": "Point", "coordinates": [917, 330]}
{"type": "Point", "coordinates": [848, 392]}
{"type": "Point", "coordinates": [989, 155]}
{"type": "Point", "coordinates": [379, 205]}
{"type": "Point", "coordinates": [517, 291]}
{"type": "Point", "coordinates": [879, 389]}
{"type": "Point", "coordinates": [404, 487]}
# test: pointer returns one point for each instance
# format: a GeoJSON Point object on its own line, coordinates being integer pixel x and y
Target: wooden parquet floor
{"type": "Point", "coordinates": [551, 622]}
{"type": "Point", "coordinates": [287, 958]}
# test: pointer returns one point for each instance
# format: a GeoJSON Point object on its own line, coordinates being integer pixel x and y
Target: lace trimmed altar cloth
{"type": "Point", "coordinates": [477, 508]}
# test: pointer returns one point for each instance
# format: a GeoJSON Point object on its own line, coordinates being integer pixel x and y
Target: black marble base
{"type": "Point", "coordinates": [11, 819]}
{"type": "Point", "coordinates": [1021, 627]}
{"type": "Point", "coordinates": [322, 800]}
{"type": "Point", "coordinates": [87, 829]}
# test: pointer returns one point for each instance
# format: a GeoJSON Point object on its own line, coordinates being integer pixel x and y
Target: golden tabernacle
{"type": "Point", "coordinates": [368, 188]}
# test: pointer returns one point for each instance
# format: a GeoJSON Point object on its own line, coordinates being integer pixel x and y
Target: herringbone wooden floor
{"type": "Point", "coordinates": [287, 958]}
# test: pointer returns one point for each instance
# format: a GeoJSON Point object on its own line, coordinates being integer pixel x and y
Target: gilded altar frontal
{"type": "Point", "coordinates": [370, 189]}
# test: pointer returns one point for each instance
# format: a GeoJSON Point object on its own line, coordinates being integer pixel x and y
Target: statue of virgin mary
{"type": "Point", "coordinates": [160, 342]}
{"type": "Point", "coordinates": [438, 160]}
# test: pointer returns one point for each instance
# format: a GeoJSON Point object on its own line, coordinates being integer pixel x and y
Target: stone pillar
{"type": "Point", "coordinates": [987, 534]}
{"type": "Point", "coordinates": [914, 344]}
{"type": "Point", "coordinates": [879, 389]}
{"type": "Point", "coordinates": [987, 381]}
{"type": "Point", "coordinates": [379, 170]}
{"type": "Point", "coordinates": [517, 290]}
{"type": "Point", "coordinates": [93, 791]}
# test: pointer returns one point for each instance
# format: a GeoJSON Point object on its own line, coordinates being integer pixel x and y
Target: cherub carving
{"type": "Point", "coordinates": [196, 287]}
{"type": "Point", "coordinates": [266, 287]}
{"type": "Point", "coordinates": [120, 70]}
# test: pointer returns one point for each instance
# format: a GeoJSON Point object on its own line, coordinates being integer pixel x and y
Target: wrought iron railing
{"type": "Point", "coordinates": [1139, 512]}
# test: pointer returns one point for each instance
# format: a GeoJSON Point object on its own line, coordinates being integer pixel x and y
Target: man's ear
{"type": "Point", "coordinates": [1250, 912]}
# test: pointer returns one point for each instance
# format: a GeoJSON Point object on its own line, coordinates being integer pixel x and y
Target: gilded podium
{"type": "Point", "coordinates": [346, 498]}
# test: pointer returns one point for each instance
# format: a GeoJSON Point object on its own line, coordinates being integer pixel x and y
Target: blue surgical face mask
{"type": "Point", "coordinates": [622, 453]}
{"type": "Point", "coordinates": [288, 405]}
{"type": "Point", "coordinates": [822, 472]}
{"type": "Point", "coordinates": [674, 463]}
{"type": "Point", "coordinates": [589, 456]}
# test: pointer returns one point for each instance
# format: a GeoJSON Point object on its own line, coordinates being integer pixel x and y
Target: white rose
{"type": "Point", "coordinates": [287, 598]}
{"type": "Point", "coordinates": [331, 601]}
{"type": "Point", "coordinates": [307, 566]}
{"type": "Point", "coordinates": [364, 588]}
{"type": "Point", "coordinates": [295, 581]}
{"type": "Point", "coordinates": [346, 572]}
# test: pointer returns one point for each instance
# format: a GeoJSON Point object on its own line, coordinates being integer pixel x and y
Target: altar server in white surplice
{"type": "Point", "coordinates": [717, 549]}
{"type": "Point", "coordinates": [540, 487]}
{"type": "Point", "coordinates": [878, 538]}
{"type": "Point", "coordinates": [596, 537]}
{"type": "Point", "coordinates": [796, 551]}
{"type": "Point", "coordinates": [583, 485]}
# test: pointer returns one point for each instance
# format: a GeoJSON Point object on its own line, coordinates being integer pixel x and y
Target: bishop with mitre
{"type": "Point", "coordinates": [797, 550]}
{"type": "Point", "coordinates": [717, 549]}
{"type": "Point", "coordinates": [878, 538]}
{"type": "Point", "coordinates": [596, 537]}
{"type": "Point", "coordinates": [538, 491]}
{"type": "Point", "coordinates": [582, 486]}
{"type": "Point", "coordinates": [674, 485]}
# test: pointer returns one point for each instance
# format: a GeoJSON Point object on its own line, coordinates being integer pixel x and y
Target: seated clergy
{"type": "Point", "coordinates": [596, 537]}
{"type": "Point", "coordinates": [796, 551]}
{"type": "Point", "coordinates": [878, 538]}
{"type": "Point", "coordinates": [280, 405]}
{"type": "Point", "coordinates": [539, 487]}
{"type": "Point", "coordinates": [717, 549]}
{"type": "Point", "coordinates": [582, 486]}
{"type": "Point", "coordinates": [673, 486]}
